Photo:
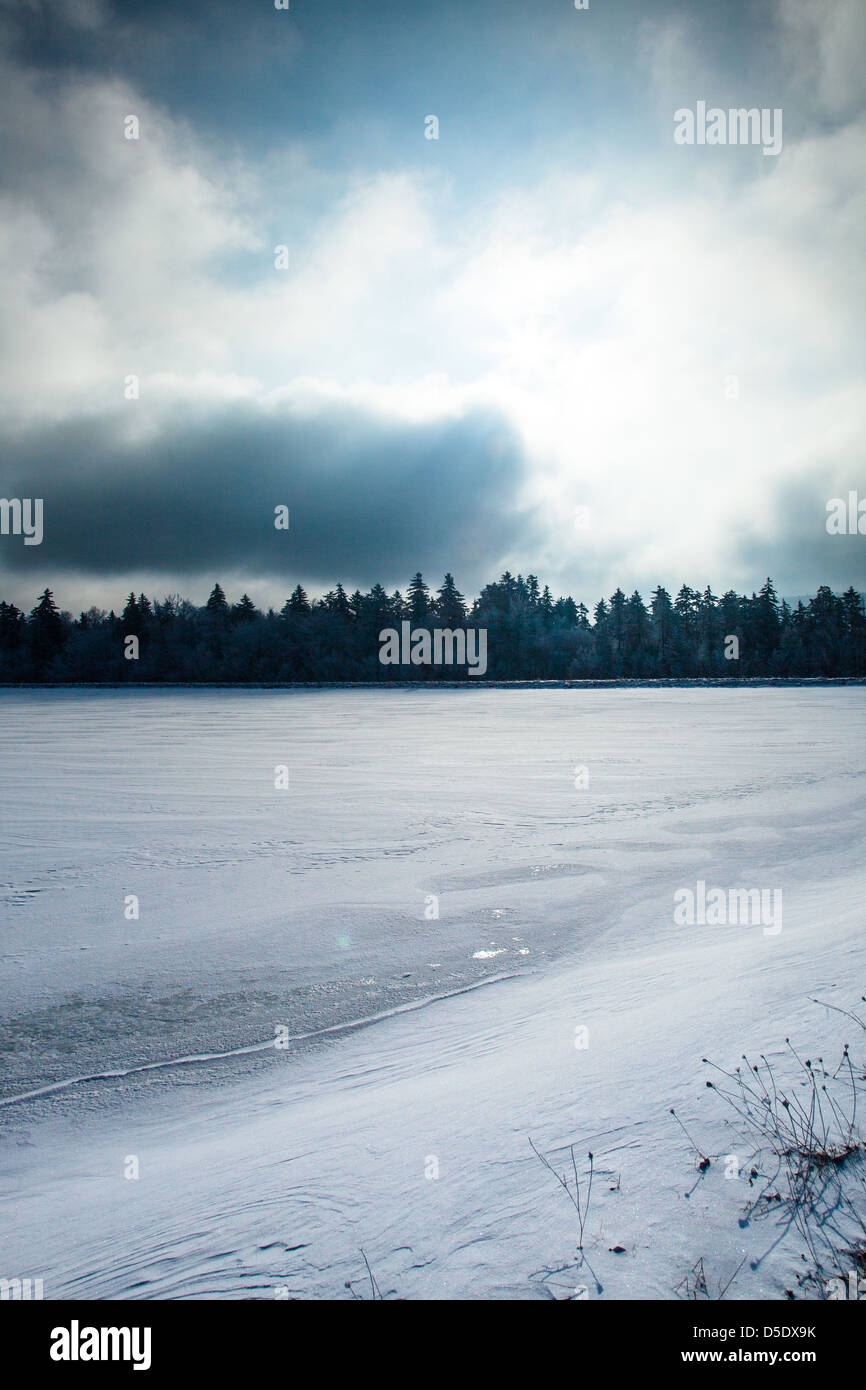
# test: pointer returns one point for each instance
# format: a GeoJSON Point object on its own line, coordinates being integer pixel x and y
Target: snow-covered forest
{"type": "Point", "coordinates": [531, 635]}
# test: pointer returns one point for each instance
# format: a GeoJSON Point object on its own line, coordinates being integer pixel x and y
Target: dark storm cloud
{"type": "Point", "coordinates": [799, 552]}
{"type": "Point", "coordinates": [369, 498]}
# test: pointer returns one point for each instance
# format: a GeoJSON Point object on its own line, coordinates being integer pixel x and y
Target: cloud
{"type": "Point", "coordinates": [801, 543]}
{"type": "Point", "coordinates": [368, 495]}
{"type": "Point", "coordinates": [826, 42]}
{"type": "Point", "coordinates": [590, 322]}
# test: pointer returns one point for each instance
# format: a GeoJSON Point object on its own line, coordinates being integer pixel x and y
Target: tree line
{"type": "Point", "coordinates": [530, 636]}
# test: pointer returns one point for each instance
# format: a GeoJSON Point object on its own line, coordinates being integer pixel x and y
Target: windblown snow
{"type": "Point", "coordinates": [290, 976]}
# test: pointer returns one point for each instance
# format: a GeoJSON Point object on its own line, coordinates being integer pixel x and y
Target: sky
{"type": "Point", "coordinates": [551, 340]}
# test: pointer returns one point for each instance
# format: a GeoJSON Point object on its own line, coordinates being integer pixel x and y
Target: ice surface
{"type": "Point", "coordinates": [266, 1172]}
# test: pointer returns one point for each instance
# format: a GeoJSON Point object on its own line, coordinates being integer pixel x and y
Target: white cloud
{"type": "Point", "coordinates": [826, 41]}
{"type": "Point", "coordinates": [604, 328]}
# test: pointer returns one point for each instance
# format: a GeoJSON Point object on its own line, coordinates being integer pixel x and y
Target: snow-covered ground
{"type": "Point", "coordinates": [265, 1172]}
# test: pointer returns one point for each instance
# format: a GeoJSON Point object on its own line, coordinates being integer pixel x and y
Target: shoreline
{"type": "Point", "coordinates": [618, 683]}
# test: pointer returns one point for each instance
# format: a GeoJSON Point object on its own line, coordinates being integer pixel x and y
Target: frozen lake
{"type": "Point", "coordinates": [426, 842]}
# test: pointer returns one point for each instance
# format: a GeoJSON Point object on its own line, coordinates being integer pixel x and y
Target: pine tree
{"type": "Point", "coordinates": [663, 626]}
{"type": "Point", "coordinates": [45, 631]}
{"type": "Point", "coordinates": [12, 623]}
{"type": "Point", "coordinates": [376, 607]}
{"type": "Point", "coordinates": [217, 602]}
{"type": "Point", "coordinates": [298, 603]}
{"type": "Point", "coordinates": [852, 609]}
{"type": "Point", "coordinates": [636, 631]}
{"type": "Point", "coordinates": [341, 606]}
{"type": "Point", "coordinates": [450, 604]}
{"type": "Point", "coordinates": [710, 644]}
{"type": "Point", "coordinates": [130, 618]}
{"type": "Point", "coordinates": [616, 618]}
{"type": "Point", "coordinates": [855, 631]}
{"type": "Point", "coordinates": [244, 611]}
{"type": "Point", "coordinates": [766, 611]}
{"type": "Point", "coordinates": [686, 606]}
{"type": "Point", "coordinates": [418, 599]}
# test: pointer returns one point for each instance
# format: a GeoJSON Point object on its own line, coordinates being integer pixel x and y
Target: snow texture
{"type": "Point", "coordinates": [423, 1051]}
